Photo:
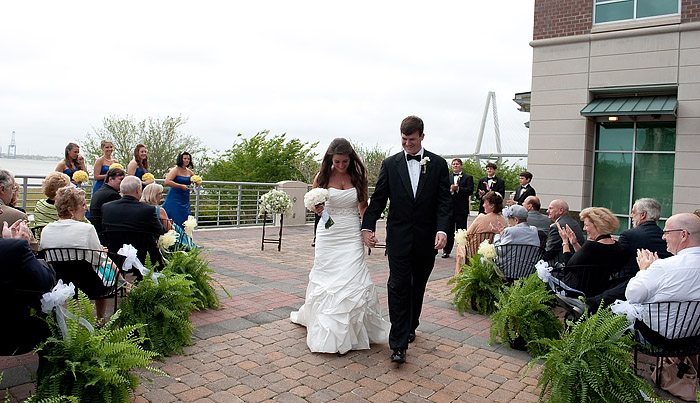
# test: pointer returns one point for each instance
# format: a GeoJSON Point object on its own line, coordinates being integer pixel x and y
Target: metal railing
{"type": "Point", "coordinates": [214, 204]}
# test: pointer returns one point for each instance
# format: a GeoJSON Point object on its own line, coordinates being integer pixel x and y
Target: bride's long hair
{"type": "Point", "coordinates": [356, 169]}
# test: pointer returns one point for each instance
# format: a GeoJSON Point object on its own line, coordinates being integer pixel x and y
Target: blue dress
{"type": "Point", "coordinates": [177, 201]}
{"type": "Point", "coordinates": [98, 184]}
{"type": "Point", "coordinates": [139, 172]}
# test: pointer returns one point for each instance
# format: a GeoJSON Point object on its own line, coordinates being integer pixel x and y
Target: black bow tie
{"type": "Point", "coordinates": [412, 157]}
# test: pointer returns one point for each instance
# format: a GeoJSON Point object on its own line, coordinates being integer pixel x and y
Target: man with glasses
{"type": "Point", "coordinates": [676, 278]}
{"type": "Point", "coordinates": [8, 187]}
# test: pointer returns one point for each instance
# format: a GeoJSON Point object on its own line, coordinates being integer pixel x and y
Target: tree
{"type": "Point", "coordinates": [162, 138]}
{"type": "Point", "coordinates": [263, 159]}
{"type": "Point", "coordinates": [372, 158]}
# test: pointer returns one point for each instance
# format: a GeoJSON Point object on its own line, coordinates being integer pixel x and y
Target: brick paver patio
{"type": "Point", "coordinates": [249, 351]}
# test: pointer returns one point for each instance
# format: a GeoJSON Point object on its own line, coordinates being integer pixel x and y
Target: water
{"type": "Point", "coordinates": [19, 166]}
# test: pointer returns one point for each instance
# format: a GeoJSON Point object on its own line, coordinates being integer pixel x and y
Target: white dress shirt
{"type": "Point", "coordinates": [414, 171]}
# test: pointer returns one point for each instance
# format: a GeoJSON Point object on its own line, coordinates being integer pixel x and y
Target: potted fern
{"type": "Point", "coordinates": [523, 314]}
{"type": "Point", "coordinates": [592, 362]}
{"type": "Point", "coordinates": [164, 305]}
{"type": "Point", "coordinates": [196, 268]}
{"type": "Point", "coordinates": [90, 365]}
{"type": "Point", "coordinates": [479, 284]}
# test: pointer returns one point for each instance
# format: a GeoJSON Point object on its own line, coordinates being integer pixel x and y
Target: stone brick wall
{"type": "Point", "coordinates": [690, 11]}
{"type": "Point", "coordinates": [558, 18]}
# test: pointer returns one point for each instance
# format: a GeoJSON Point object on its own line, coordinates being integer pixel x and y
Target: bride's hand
{"type": "Point", "coordinates": [318, 209]}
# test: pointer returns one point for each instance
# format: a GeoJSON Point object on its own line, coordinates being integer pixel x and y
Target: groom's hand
{"type": "Point", "coordinates": [369, 239]}
{"type": "Point", "coordinates": [440, 240]}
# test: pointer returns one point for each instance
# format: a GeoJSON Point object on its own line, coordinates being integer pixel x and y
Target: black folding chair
{"type": "Point", "coordinates": [89, 270]}
{"type": "Point", "coordinates": [668, 329]}
{"type": "Point", "coordinates": [145, 243]}
{"type": "Point", "coordinates": [517, 261]}
{"type": "Point", "coordinates": [571, 282]}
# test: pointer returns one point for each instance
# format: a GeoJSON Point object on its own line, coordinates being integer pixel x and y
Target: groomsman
{"type": "Point", "coordinates": [524, 190]}
{"type": "Point", "coordinates": [461, 189]}
{"type": "Point", "coordinates": [488, 183]}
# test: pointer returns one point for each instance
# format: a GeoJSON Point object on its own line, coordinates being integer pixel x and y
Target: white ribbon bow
{"type": "Point", "coordinates": [325, 217]}
{"type": "Point", "coordinates": [132, 261]}
{"type": "Point", "coordinates": [632, 311]}
{"type": "Point", "coordinates": [544, 272]}
{"type": "Point", "coordinates": [55, 299]}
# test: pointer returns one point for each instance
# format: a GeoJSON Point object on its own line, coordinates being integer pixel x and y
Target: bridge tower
{"type": "Point", "coordinates": [12, 148]}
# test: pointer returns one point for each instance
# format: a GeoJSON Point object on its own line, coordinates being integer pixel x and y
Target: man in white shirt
{"type": "Point", "coordinates": [676, 278]}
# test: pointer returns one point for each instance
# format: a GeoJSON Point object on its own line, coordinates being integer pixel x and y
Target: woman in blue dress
{"type": "Point", "coordinates": [102, 164]}
{"type": "Point", "coordinates": [139, 164]}
{"type": "Point", "coordinates": [177, 201]}
{"type": "Point", "coordinates": [72, 162]}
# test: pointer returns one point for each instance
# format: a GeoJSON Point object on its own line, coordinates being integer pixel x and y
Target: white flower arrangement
{"type": "Point", "coordinates": [461, 237]}
{"type": "Point", "coordinates": [80, 176]}
{"type": "Point", "coordinates": [487, 250]}
{"type": "Point", "coordinates": [167, 240]}
{"type": "Point", "coordinates": [317, 196]}
{"type": "Point", "coordinates": [275, 202]}
{"type": "Point", "coordinates": [424, 163]}
{"type": "Point", "coordinates": [189, 225]}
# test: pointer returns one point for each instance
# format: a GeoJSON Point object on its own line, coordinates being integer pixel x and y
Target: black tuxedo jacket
{"type": "Point", "coordinates": [521, 195]}
{"type": "Point", "coordinates": [104, 194]}
{"type": "Point", "coordinates": [460, 200]}
{"type": "Point", "coordinates": [129, 214]}
{"type": "Point", "coordinates": [646, 236]}
{"type": "Point", "coordinates": [413, 221]}
{"type": "Point", "coordinates": [499, 186]}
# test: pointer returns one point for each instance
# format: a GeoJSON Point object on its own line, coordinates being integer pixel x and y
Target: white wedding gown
{"type": "Point", "coordinates": [341, 311]}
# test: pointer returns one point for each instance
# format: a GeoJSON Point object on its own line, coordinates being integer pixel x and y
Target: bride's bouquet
{"type": "Point", "coordinates": [315, 197]}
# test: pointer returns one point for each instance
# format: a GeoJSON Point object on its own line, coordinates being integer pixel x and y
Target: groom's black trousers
{"type": "Point", "coordinates": [408, 276]}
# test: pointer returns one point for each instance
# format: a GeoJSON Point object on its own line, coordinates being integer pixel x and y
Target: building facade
{"type": "Point", "coordinates": [615, 103]}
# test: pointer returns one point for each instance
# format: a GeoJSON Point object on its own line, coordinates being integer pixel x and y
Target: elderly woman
{"type": "Point", "coordinates": [589, 266]}
{"type": "Point", "coordinates": [70, 232]}
{"type": "Point", "coordinates": [518, 230]}
{"type": "Point", "coordinates": [45, 210]}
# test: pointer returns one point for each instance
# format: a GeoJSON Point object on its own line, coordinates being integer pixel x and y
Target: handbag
{"type": "Point", "coordinates": [679, 377]}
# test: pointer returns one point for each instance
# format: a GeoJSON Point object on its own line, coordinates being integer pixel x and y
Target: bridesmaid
{"type": "Point", "coordinates": [102, 164]}
{"type": "Point", "coordinates": [177, 201]}
{"type": "Point", "coordinates": [139, 164]}
{"type": "Point", "coordinates": [72, 162]}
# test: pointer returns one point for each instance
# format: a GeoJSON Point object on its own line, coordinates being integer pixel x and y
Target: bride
{"type": "Point", "coordinates": [341, 311]}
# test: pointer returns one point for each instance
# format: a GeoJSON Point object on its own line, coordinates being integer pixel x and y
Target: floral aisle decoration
{"type": "Point", "coordinates": [524, 314]}
{"type": "Point", "coordinates": [274, 202]}
{"type": "Point", "coordinates": [85, 362]}
{"type": "Point", "coordinates": [592, 362]}
{"type": "Point", "coordinates": [189, 225]}
{"type": "Point", "coordinates": [148, 177]}
{"type": "Point", "coordinates": [479, 284]}
{"type": "Point", "coordinates": [164, 305]}
{"type": "Point", "coordinates": [80, 176]}
{"type": "Point", "coordinates": [315, 197]}
{"type": "Point", "coordinates": [167, 240]}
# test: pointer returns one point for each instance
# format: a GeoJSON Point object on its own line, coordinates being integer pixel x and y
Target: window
{"type": "Point", "coordinates": [625, 10]}
{"type": "Point", "coordinates": [633, 160]}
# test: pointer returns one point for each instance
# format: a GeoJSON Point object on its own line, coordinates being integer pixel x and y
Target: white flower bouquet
{"type": "Point", "coordinates": [487, 250]}
{"type": "Point", "coordinates": [189, 225]}
{"type": "Point", "coordinates": [461, 237]}
{"type": "Point", "coordinates": [167, 240]}
{"type": "Point", "coordinates": [317, 196]}
{"type": "Point", "coordinates": [275, 202]}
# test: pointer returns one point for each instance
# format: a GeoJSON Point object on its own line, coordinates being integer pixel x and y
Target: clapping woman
{"type": "Point", "coordinates": [138, 166]}
{"type": "Point", "coordinates": [177, 201]}
{"type": "Point", "coordinates": [102, 164]}
{"type": "Point", "coordinates": [72, 162]}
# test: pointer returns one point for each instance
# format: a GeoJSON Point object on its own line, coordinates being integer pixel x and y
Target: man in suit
{"type": "Point", "coordinates": [105, 194]}
{"type": "Point", "coordinates": [524, 190]}
{"type": "Point", "coordinates": [461, 189]}
{"type": "Point", "coordinates": [416, 182]}
{"type": "Point", "coordinates": [488, 183]}
{"type": "Point", "coordinates": [127, 220]}
{"type": "Point", "coordinates": [534, 217]}
{"type": "Point", "coordinates": [558, 212]}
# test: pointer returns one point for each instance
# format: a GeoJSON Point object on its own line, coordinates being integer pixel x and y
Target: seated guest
{"type": "Point", "coordinates": [70, 232]}
{"type": "Point", "coordinates": [600, 251]}
{"type": "Point", "coordinates": [109, 191]}
{"type": "Point", "coordinates": [676, 278]}
{"type": "Point", "coordinates": [534, 217]}
{"type": "Point", "coordinates": [493, 205]}
{"type": "Point", "coordinates": [153, 194]}
{"type": "Point", "coordinates": [646, 234]}
{"type": "Point", "coordinates": [23, 280]}
{"type": "Point", "coordinates": [518, 230]}
{"type": "Point", "coordinates": [558, 212]}
{"type": "Point", "coordinates": [132, 222]}
{"type": "Point", "coordinates": [524, 190]}
{"type": "Point", "coordinates": [8, 214]}
{"type": "Point", "coordinates": [45, 210]}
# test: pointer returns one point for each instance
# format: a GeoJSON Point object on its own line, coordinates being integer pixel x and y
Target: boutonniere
{"type": "Point", "coordinates": [424, 163]}
{"type": "Point", "coordinates": [459, 176]}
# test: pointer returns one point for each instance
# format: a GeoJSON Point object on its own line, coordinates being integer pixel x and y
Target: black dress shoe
{"type": "Point", "coordinates": [399, 356]}
{"type": "Point", "coordinates": [445, 255]}
{"type": "Point", "coordinates": [411, 337]}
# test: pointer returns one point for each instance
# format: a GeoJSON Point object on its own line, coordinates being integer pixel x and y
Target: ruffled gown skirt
{"type": "Point", "coordinates": [341, 311]}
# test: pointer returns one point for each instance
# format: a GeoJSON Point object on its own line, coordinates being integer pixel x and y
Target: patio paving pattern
{"type": "Point", "coordinates": [249, 351]}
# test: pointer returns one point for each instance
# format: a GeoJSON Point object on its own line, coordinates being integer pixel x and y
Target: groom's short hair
{"type": "Point", "coordinates": [411, 125]}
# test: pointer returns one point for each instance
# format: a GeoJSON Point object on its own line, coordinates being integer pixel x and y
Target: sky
{"type": "Point", "coordinates": [315, 70]}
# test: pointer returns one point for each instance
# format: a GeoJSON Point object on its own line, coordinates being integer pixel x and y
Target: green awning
{"type": "Point", "coordinates": [625, 106]}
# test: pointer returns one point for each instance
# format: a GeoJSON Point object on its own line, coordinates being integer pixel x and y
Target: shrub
{"type": "Point", "coordinates": [197, 270]}
{"type": "Point", "coordinates": [477, 286]}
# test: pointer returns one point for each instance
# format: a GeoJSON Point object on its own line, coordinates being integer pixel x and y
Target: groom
{"type": "Point", "coordinates": [417, 185]}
